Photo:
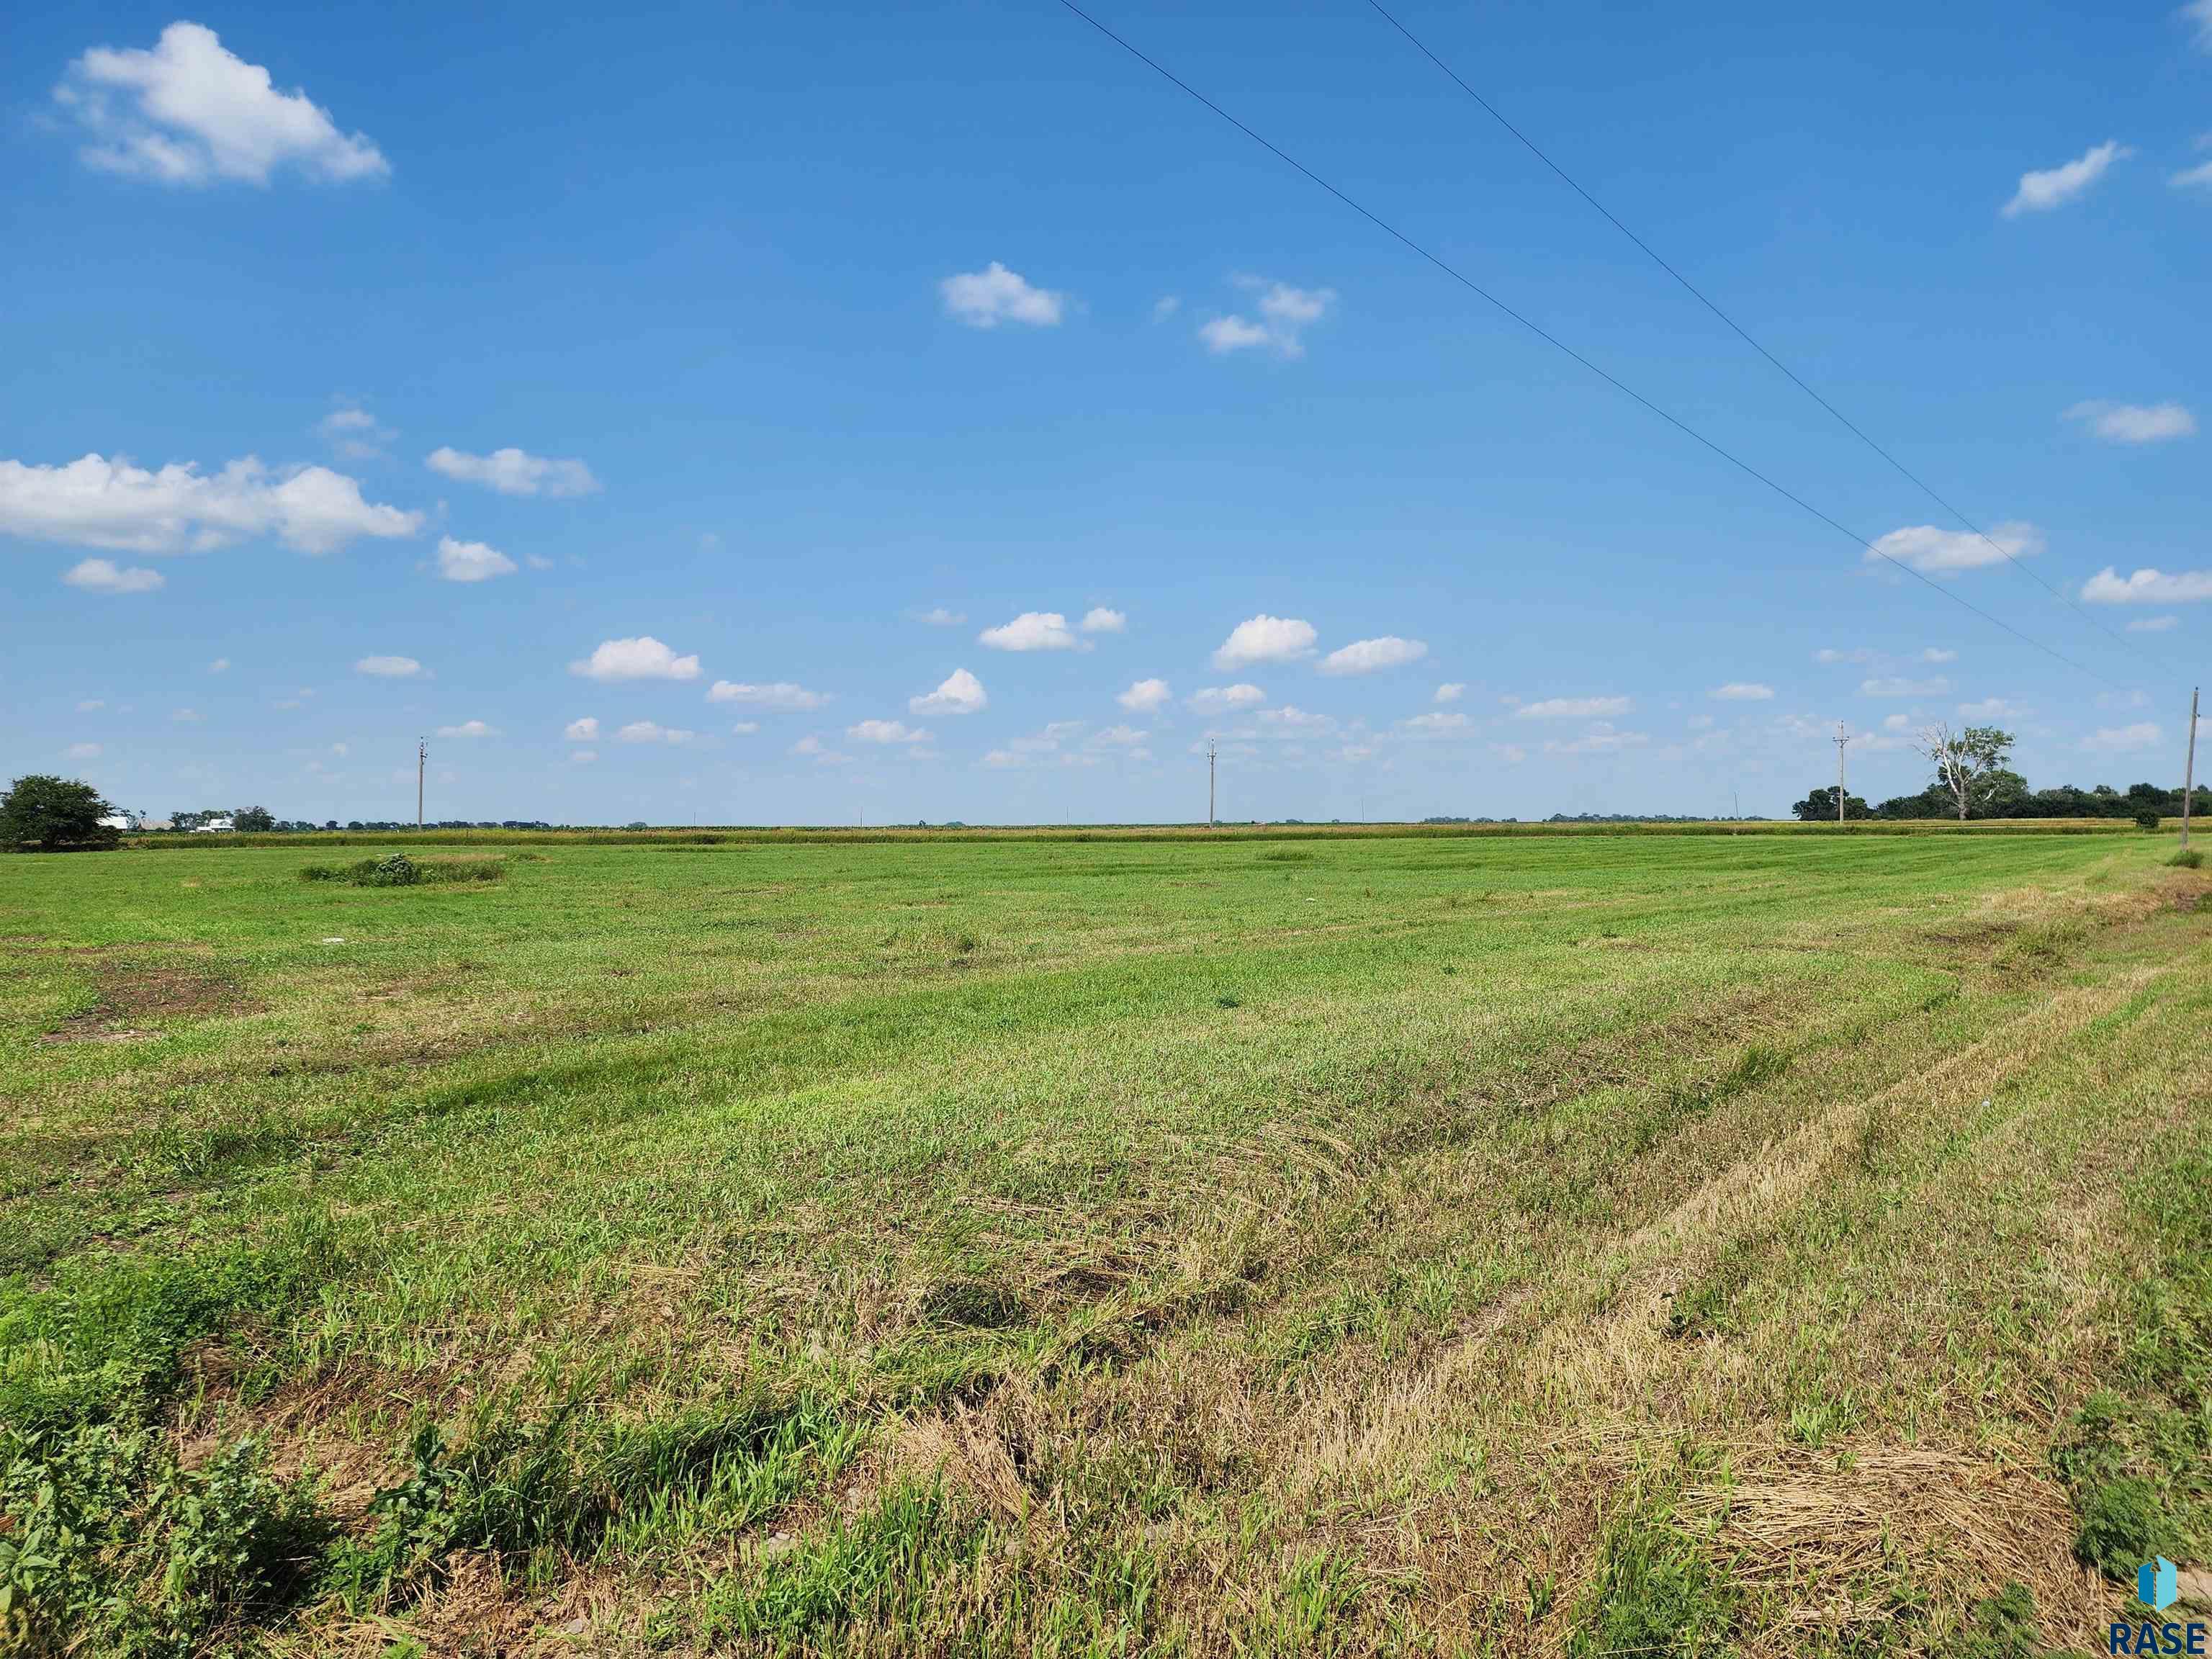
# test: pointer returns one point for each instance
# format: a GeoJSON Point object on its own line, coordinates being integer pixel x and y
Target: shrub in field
{"type": "Point", "coordinates": [2147, 818]}
{"type": "Point", "coordinates": [398, 870]}
{"type": "Point", "coordinates": [2191, 859]}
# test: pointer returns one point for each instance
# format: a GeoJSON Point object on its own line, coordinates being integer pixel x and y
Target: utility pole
{"type": "Point", "coordinates": [1842, 737]}
{"type": "Point", "coordinates": [1209, 783]}
{"type": "Point", "coordinates": [422, 756]}
{"type": "Point", "coordinates": [2189, 770]}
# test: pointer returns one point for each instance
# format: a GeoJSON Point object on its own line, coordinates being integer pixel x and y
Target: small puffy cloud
{"type": "Point", "coordinates": [220, 665]}
{"type": "Point", "coordinates": [1166, 307]}
{"type": "Point", "coordinates": [2152, 624]}
{"type": "Point", "coordinates": [939, 617]}
{"type": "Point", "coordinates": [93, 502]}
{"type": "Point", "coordinates": [1572, 709]}
{"type": "Point", "coordinates": [959, 693]}
{"type": "Point", "coordinates": [1264, 638]}
{"type": "Point", "coordinates": [1436, 721]}
{"type": "Point", "coordinates": [2122, 739]}
{"type": "Point", "coordinates": [388, 668]}
{"type": "Point", "coordinates": [986, 298]}
{"type": "Point", "coordinates": [514, 472]}
{"type": "Point", "coordinates": [1033, 630]}
{"type": "Point", "coordinates": [1933, 551]}
{"type": "Point", "coordinates": [1602, 739]}
{"type": "Point", "coordinates": [82, 751]}
{"type": "Point", "coordinates": [1286, 312]}
{"type": "Point", "coordinates": [1451, 691]}
{"type": "Point", "coordinates": [188, 111]}
{"type": "Point", "coordinates": [642, 658]}
{"type": "Point", "coordinates": [1896, 722]}
{"type": "Point", "coordinates": [1831, 655]}
{"type": "Point", "coordinates": [745, 728]}
{"type": "Point", "coordinates": [812, 748]}
{"type": "Point", "coordinates": [2135, 423]}
{"type": "Point", "coordinates": [1144, 696]}
{"type": "Point", "coordinates": [468, 729]}
{"type": "Point", "coordinates": [1369, 656]}
{"type": "Point", "coordinates": [586, 730]}
{"type": "Point", "coordinates": [2150, 586]}
{"type": "Point", "coordinates": [885, 731]}
{"type": "Point", "coordinates": [2054, 187]}
{"type": "Point", "coordinates": [1100, 620]}
{"type": "Point", "coordinates": [91, 705]}
{"type": "Point", "coordinates": [1743, 692]}
{"type": "Point", "coordinates": [1936, 653]}
{"type": "Point", "coordinates": [1897, 685]}
{"type": "Point", "coordinates": [105, 576]}
{"type": "Point", "coordinates": [647, 732]}
{"type": "Point", "coordinates": [355, 432]}
{"type": "Point", "coordinates": [780, 695]}
{"type": "Point", "coordinates": [470, 561]}
{"type": "Point", "coordinates": [1120, 736]}
{"type": "Point", "coordinates": [1291, 718]}
{"type": "Point", "coordinates": [1214, 699]}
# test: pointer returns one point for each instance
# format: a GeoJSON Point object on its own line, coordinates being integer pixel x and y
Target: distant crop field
{"type": "Point", "coordinates": [1453, 1244]}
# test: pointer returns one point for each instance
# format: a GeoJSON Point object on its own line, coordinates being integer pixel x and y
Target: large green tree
{"type": "Point", "coordinates": [46, 814]}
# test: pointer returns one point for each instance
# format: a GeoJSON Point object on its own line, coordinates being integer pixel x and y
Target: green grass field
{"type": "Point", "coordinates": [1683, 1244]}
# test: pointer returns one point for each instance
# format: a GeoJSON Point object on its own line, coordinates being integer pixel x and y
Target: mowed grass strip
{"type": "Point", "coordinates": [1034, 1246]}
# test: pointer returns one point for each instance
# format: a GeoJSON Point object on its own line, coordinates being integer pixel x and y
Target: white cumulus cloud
{"type": "Point", "coordinates": [781, 695]}
{"type": "Point", "coordinates": [469, 729]}
{"type": "Point", "coordinates": [95, 502]}
{"type": "Point", "coordinates": [82, 751]}
{"type": "Point", "coordinates": [2135, 423]}
{"type": "Point", "coordinates": [642, 658]}
{"type": "Point", "coordinates": [472, 561]}
{"type": "Point", "coordinates": [2121, 739]}
{"type": "Point", "coordinates": [940, 617]}
{"type": "Point", "coordinates": [514, 472]}
{"type": "Point", "coordinates": [1212, 699]}
{"type": "Point", "coordinates": [2150, 586]}
{"type": "Point", "coordinates": [960, 693]}
{"type": "Point", "coordinates": [1286, 312]}
{"type": "Point", "coordinates": [885, 731]}
{"type": "Point", "coordinates": [647, 732]}
{"type": "Point", "coordinates": [2054, 187]}
{"type": "Point", "coordinates": [1743, 692]}
{"type": "Point", "coordinates": [1033, 630]}
{"type": "Point", "coordinates": [1143, 695]}
{"type": "Point", "coordinates": [986, 298]}
{"type": "Point", "coordinates": [1100, 620]}
{"type": "Point", "coordinates": [1264, 638]}
{"type": "Point", "coordinates": [389, 668]}
{"type": "Point", "coordinates": [1933, 551]}
{"type": "Point", "coordinates": [1451, 691]}
{"type": "Point", "coordinates": [1571, 708]}
{"type": "Point", "coordinates": [586, 730]}
{"type": "Point", "coordinates": [1439, 721]}
{"type": "Point", "coordinates": [1368, 656]}
{"type": "Point", "coordinates": [105, 576]}
{"type": "Point", "coordinates": [188, 111]}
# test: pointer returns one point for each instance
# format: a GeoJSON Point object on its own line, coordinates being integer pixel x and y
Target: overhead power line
{"type": "Point", "coordinates": [1738, 329]}
{"type": "Point", "coordinates": [1561, 346]}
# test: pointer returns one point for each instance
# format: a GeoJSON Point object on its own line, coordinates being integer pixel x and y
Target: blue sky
{"type": "Point", "coordinates": [685, 412]}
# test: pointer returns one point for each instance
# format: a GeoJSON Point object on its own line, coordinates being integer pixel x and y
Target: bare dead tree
{"type": "Point", "coordinates": [1964, 760]}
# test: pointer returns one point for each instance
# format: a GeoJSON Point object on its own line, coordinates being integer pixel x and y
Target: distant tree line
{"type": "Point", "coordinates": [1973, 780]}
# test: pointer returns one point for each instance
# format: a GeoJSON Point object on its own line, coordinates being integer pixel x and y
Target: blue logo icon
{"type": "Point", "coordinates": [2157, 1584]}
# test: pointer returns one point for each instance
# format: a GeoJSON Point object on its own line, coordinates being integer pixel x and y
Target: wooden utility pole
{"type": "Point", "coordinates": [422, 755]}
{"type": "Point", "coordinates": [1209, 783]}
{"type": "Point", "coordinates": [2189, 770]}
{"type": "Point", "coordinates": [1842, 737]}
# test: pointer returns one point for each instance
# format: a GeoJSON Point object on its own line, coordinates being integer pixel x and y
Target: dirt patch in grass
{"type": "Point", "coordinates": [133, 994]}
